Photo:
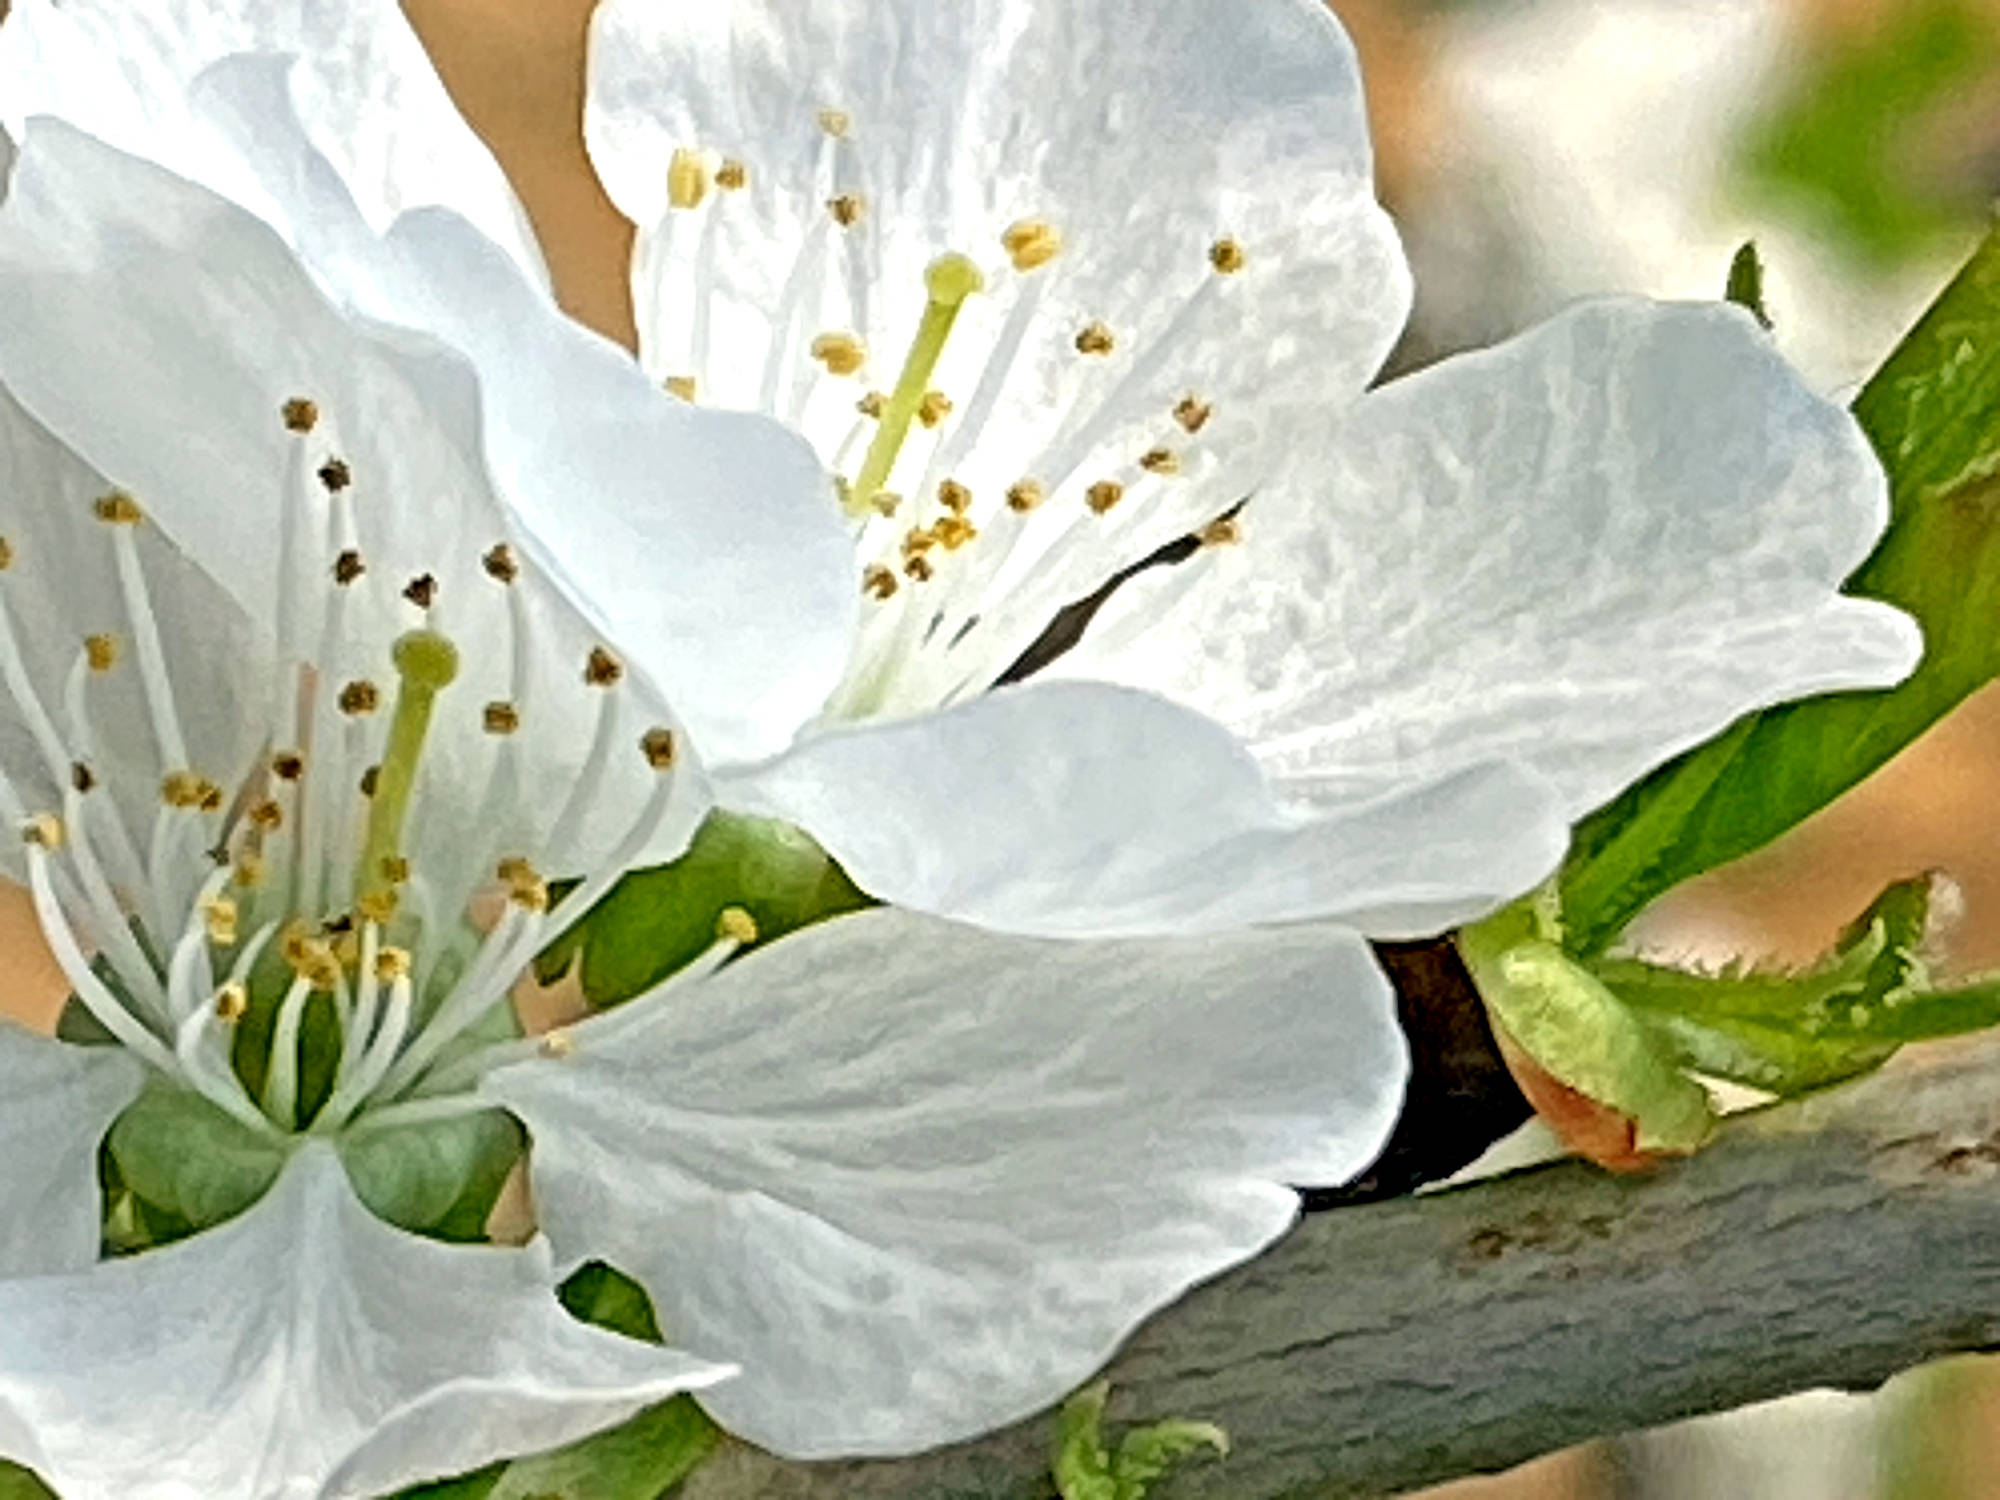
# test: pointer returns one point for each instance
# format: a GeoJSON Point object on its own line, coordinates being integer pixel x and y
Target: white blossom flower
{"type": "Point", "coordinates": [281, 695]}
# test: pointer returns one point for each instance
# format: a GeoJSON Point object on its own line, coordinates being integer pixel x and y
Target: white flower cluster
{"type": "Point", "coordinates": [349, 591]}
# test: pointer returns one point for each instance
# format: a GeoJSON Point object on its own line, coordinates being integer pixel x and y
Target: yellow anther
{"type": "Point", "coordinates": [81, 777]}
{"type": "Point", "coordinates": [378, 906]}
{"type": "Point", "coordinates": [601, 668]}
{"type": "Point", "coordinates": [847, 209]}
{"type": "Point", "coordinates": [218, 915]}
{"type": "Point", "coordinates": [556, 1045]}
{"type": "Point", "coordinates": [886, 502]}
{"type": "Point", "coordinates": [392, 964]}
{"type": "Point", "coordinates": [918, 568]}
{"type": "Point", "coordinates": [395, 869]}
{"type": "Point", "coordinates": [44, 830]}
{"type": "Point", "coordinates": [268, 816]}
{"type": "Point", "coordinates": [1224, 531]}
{"type": "Point", "coordinates": [359, 697]}
{"type": "Point", "coordinates": [422, 591]}
{"type": "Point", "coordinates": [347, 567]}
{"type": "Point", "coordinates": [335, 475]}
{"type": "Point", "coordinates": [736, 925]}
{"type": "Point", "coordinates": [249, 872]}
{"type": "Point", "coordinates": [6, 554]}
{"type": "Point", "coordinates": [1024, 495]}
{"type": "Point", "coordinates": [232, 1002]}
{"type": "Point", "coordinates": [878, 582]}
{"type": "Point", "coordinates": [659, 748]}
{"type": "Point", "coordinates": [118, 509]}
{"type": "Point", "coordinates": [301, 416]}
{"type": "Point", "coordinates": [500, 717]}
{"type": "Point", "coordinates": [873, 404]}
{"type": "Point", "coordinates": [687, 178]}
{"type": "Point", "coordinates": [1095, 338]}
{"type": "Point", "coordinates": [101, 651]}
{"type": "Point", "coordinates": [917, 541]}
{"type": "Point", "coordinates": [370, 780]}
{"type": "Point", "coordinates": [498, 561]}
{"type": "Point", "coordinates": [934, 408]}
{"type": "Point", "coordinates": [954, 497]}
{"type": "Point", "coordinates": [732, 176]}
{"type": "Point", "coordinates": [312, 959]}
{"type": "Point", "coordinates": [185, 789]}
{"type": "Point", "coordinates": [834, 122]}
{"type": "Point", "coordinates": [1030, 243]}
{"type": "Point", "coordinates": [953, 532]}
{"type": "Point", "coordinates": [1160, 461]}
{"type": "Point", "coordinates": [1227, 257]}
{"type": "Point", "coordinates": [1192, 413]}
{"type": "Point", "coordinates": [841, 353]}
{"type": "Point", "coordinates": [525, 886]}
{"type": "Point", "coordinates": [681, 387]}
{"type": "Point", "coordinates": [288, 765]}
{"type": "Point", "coordinates": [1104, 494]}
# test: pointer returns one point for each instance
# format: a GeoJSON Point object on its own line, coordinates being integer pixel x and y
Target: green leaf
{"type": "Point", "coordinates": [16, 1483]}
{"type": "Point", "coordinates": [1583, 1034]}
{"type": "Point", "coordinates": [182, 1155]}
{"type": "Point", "coordinates": [1789, 1032]}
{"type": "Point", "coordinates": [1933, 415]}
{"type": "Point", "coordinates": [439, 1177]}
{"type": "Point", "coordinates": [1745, 286]}
{"type": "Point", "coordinates": [1084, 1469]}
{"type": "Point", "coordinates": [656, 921]}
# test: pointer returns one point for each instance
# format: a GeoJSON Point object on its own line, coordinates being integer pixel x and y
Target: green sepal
{"type": "Point", "coordinates": [438, 1178]}
{"type": "Point", "coordinates": [641, 1459]}
{"type": "Point", "coordinates": [1745, 286]}
{"type": "Point", "coordinates": [656, 921]}
{"type": "Point", "coordinates": [182, 1156]}
{"type": "Point", "coordinates": [17, 1483]}
{"type": "Point", "coordinates": [1581, 1033]}
{"type": "Point", "coordinates": [1932, 413]}
{"type": "Point", "coordinates": [1084, 1469]}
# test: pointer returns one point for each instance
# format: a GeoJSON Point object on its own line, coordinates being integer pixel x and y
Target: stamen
{"type": "Point", "coordinates": [681, 386]}
{"type": "Point", "coordinates": [301, 415]}
{"type": "Point", "coordinates": [601, 668]}
{"type": "Point", "coordinates": [232, 1003]}
{"type": "Point", "coordinates": [1160, 461]}
{"type": "Point", "coordinates": [335, 475]}
{"type": "Point", "coordinates": [1025, 496]}
{"type": "Point", "coordinates": [1104, 494]}
{"type": "Point", "coordinates": [1095, 338]}
{"type": "Point", "coordinates": [501, 717]}
{"type": "Point", "coordinates": [732, 176]}
{"type": "Point", "coordinates": [949, 280]}
{"type": "Point", "coordinates": [955, 497]}
{"type": "Point", "coordinates": [878, 582]}
{"type": "Point", "coordinates": [736, 925]}
{"type": "Point", "coordinates": [499, 563]}
{"type": "Point", "coordinates": [1224, 531]}
{"type": "Point", "coordinates": [101, 651]}
{"type": "Point", "coordinates": [348, 567]}
{"type": "Point", "coordinates": [422, 591]}
{"type": "Point", "coordinates": [934, 408]}
{"type": "Point", "coordinates": [1031, 243]}
{"type": "Point", "coordinates": [359, 697]}
{"type": "Point", "coordinates": [842, 353]}
{"type": "Point", "coordinates": [834, 122]}
{"type": "Point", "coordinates": [1227, 257]}
{"type": "Point", "coordinates": [687, 179]}
{"type": "Point", "coordinates": [1192, 413]}
{"type": "Point", "coordinates": [873, 405]}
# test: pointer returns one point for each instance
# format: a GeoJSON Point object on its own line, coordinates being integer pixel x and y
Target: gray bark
{"type": "Point", "coordinates": [1828, 1242]}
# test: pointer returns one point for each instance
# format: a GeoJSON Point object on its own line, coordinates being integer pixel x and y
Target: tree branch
{"type": "Point", "coordinates": [1389, 1345]}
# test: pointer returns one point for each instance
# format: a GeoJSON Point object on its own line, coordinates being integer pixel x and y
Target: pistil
{"type": "Point", "coordinates": [426, 663]}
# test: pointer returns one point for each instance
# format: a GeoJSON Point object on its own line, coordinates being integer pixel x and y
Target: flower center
{"type": "Point", "coordinates": [1080, 442]}
{"type": "Point", "coordinates": [287, 941]}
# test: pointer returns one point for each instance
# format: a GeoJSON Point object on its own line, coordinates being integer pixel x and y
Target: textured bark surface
{"type": "Point", "coordinates": [1389, 1345]}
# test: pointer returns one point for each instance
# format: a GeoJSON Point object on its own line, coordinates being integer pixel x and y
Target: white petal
{"type": "Point", "coordinates": [922, 1180]}
{"type": "Point", "coordinates": [708, 542]}
{"type": "Point", "coordinates": [305, 1350]}
{"type": "Point", "coordinates": [1141, 134]}
{"type": "Point", "coordinates": [1585, 550]}
{"type": "Point", "coordinates": [370, 98]}
{"type": "Point", "coordinates": [126, 279]}
{"type": "Point", "coordinates": [1085, 810]}
{"type": "Point", "coordinates": [59, 1102]}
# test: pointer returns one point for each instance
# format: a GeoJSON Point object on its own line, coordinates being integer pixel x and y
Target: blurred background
{"type": "Point", "coordinates": [1536, 151]}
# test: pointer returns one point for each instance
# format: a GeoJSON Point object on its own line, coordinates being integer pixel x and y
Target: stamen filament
{"type": "Point", "coordinates": [92, 992]}
{"type": "Point", "coordinates": [950, 279]}
{"type": "Point", "coordinates": [159, 690]}
{"type": "Point", "coordinates": [281, 1078]}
